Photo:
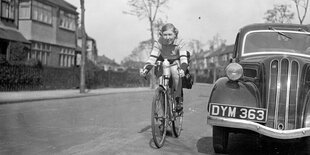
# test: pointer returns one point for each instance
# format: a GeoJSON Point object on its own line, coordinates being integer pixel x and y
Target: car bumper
{"type": "Point", "coordinates": [256, 127]}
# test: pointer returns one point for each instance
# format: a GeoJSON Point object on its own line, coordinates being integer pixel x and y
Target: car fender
{"type": "Point", "coordinates": [237, 93]}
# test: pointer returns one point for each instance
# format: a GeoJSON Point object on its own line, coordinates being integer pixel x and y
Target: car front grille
{"type": "Point", "coordinates": [283, 93]}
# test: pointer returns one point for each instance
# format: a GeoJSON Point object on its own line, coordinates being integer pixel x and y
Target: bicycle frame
{"type": "Point", "coordinates": [169, 94]}
{"type": "Point", "coordinates": [170, 115]}
{"type": "Point", "coordinates": [168, 98]}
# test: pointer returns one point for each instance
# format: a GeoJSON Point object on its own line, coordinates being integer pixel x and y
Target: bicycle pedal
{"type": "Point", "coordinates": [179, 113]}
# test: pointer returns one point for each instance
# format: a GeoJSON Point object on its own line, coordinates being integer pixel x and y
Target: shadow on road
{"type": "Point", "coordinates": [145, 129]}
{"type": "Point", "coordinates": [204, 145]}
{"type": "Point", "coordinates": [151, 143]}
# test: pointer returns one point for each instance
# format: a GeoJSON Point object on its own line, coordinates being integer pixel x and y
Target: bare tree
{"type": "Point", "coordinates": [158, 24]}
{"type": "Point", "coordinates": [279, 14]}
{"type": "Point", "coordinates": [216, 42]}
{"type": "Point", "coordinates": [140, 53]}
{"type": "Point", "coordinates": [147, 9]}
{"type": "Point", "coordinates": [196, 45]}
{"type": "Point", "coordinates": [304, 5]}
{"type": "Point", "coordinates": [82, 79]}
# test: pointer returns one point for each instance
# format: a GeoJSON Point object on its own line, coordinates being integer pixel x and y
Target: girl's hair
{"type": "Point", "coordinates": [169, 26]}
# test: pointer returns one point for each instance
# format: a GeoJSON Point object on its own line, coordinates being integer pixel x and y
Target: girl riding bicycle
{"type": "Point", "coordinates": [170, 47]}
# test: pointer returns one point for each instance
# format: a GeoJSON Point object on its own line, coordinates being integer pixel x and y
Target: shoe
{"type": "Point", "coordinates": [179, 107]}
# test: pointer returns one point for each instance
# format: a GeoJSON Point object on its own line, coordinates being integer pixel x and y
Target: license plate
{"type": "Point", "coordinates": [239, 112]}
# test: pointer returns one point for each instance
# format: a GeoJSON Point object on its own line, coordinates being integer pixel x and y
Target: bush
{"type": "Point", "coordinates": [18, 52]}
{"type": "Point", "coordinates": [19, 77]}
{"type": "Point", "coordinates": [36, 77]}
{"type": "Point", "coordinates": [34, 63]}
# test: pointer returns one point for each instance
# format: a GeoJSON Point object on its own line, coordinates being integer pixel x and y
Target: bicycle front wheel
{"type": "Point", "coordinates": [177, 123]}
{"type": "Point", "coordinates": [159, 115]}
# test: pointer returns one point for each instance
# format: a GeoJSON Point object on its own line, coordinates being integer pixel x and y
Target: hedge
{"type": "Point", "coordinates": [22, 77]}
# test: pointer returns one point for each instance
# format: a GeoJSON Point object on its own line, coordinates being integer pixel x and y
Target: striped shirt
{"type": "Point", "coordinates": [176, 51]}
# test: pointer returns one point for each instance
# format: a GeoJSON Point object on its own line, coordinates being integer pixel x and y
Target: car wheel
{"type": "Point", "coordinates": [220, 139]}
{"type": "Point", "coordinates": [306, 143]}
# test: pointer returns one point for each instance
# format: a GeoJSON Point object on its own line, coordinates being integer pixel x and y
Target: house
{"type": "Point", "coordinates": [220, 57]}
{"type": "Point", "coordinates": [92, 52]}
{"type": "Point", "coordinates": [218, 60]}
{"type": "Point", "coordinates": [9, 34]}
{"type": "Point", "coordinates": [91, 48]}
{"type": "Point", "coordinates": [50, 26]}
{"type": "Point", "coordinates": [198, 62]}
{"type": "Point", "coordinates": [209, 65]}
{"type": "Point", "coordinates": [107, 64]}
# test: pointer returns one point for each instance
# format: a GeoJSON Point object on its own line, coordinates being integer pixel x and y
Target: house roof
{"type": "Point", "coordinates": [198, 55]}
{"type": "Point", "coordinates": [228, 49]}
{"type": "Point", "coordinates": [223, 50]}
{"type": "Point", "coordinates": [65, 5]}
{"type": "Point", "coordinates": [103, 60]}
{"type": "Point", "coordinates": [13, 35]}
{"type": "Point", "coordinates": [79, 34]}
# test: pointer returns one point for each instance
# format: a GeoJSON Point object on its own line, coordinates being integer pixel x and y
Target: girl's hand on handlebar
{"type": "Point", "coordinates": [181, 73]}
{"type": "Point", "coordinates": [143, 72]}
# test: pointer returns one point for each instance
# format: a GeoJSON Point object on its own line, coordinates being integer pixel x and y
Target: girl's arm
{"type": "Point", "coordinates": [153, 57]}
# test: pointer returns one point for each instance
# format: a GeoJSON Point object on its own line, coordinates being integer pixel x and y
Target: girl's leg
{"type": "Point", "coordinates": [177, 86]}
{"type": "Point", "coordinates": [176, 80]}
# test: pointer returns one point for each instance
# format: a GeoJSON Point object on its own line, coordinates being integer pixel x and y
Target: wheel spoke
{"type": "Point", "coordinates": [177, 123]}
{"type": "Point", "coordinates": [158, 119]}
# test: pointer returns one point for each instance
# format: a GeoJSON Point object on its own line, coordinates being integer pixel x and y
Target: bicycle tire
{"type": "Point", "coordinates": [159, 123]}
{"type": "Point", "coordinates": [177, 123]}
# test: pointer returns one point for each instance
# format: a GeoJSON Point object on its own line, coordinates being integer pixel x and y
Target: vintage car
{"type": "Point", "coordinates": [266, 89]}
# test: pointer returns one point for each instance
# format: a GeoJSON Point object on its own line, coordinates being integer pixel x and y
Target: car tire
{"type": "Point", "coordinates": [220, 139]}
{"type": "Point", "coordinates": [305, 144]}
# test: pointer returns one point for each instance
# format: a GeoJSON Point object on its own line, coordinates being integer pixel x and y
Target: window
{"type": "Point", "coordinates": [212, 60]}
{"type": "Point", "coordinates": [66, 57]}
{"type": "Point", "coordinates": [24, 10]}
{"type": "Point", "coordinates": [42, 12]}
{"type": "Point", "coordinates": [7, 9]}
{"type": "Point", "coordinates": [67, 21]}
{"type": "Point", "coordinates": [41, 51]}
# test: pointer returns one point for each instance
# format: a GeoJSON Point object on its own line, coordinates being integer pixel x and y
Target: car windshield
{"type": "Point", "coordinates": [276, 42]}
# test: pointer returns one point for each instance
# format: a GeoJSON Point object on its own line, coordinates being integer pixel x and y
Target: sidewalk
{"type": "Point", "coordinates": [24, 96]}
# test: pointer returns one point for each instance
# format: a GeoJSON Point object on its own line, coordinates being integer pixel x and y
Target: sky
{"type": "Point", "coordinates": [117, 34]}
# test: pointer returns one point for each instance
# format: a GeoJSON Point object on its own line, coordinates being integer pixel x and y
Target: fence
{"type": "Point", "coordinates": [16, 78]}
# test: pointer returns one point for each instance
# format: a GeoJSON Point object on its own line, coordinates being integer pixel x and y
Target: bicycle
{"type": "Point", "coordinates": [164, 112]}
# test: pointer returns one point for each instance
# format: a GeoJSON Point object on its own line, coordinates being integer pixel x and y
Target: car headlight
{"type": "Point", "coordinates": [234, 71]}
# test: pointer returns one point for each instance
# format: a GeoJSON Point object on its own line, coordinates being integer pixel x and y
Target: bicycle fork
{"type": "Point", "coordinates": [169, 105]}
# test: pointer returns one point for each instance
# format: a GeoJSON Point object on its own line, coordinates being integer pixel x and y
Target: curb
{"type": "Point", "coordinates": [204, 84]}
{"type": "Point", "coordinates": [69, 96]}
{"type": "Point", "coordinates": [94, 92]}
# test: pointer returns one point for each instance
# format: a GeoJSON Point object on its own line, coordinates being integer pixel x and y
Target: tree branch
{"type": "Point", "coordinates": [306, 9]}
{"type": "Point", "coordinates": [156, 9]}
{"type": "Point", "coordinates": [147, 9]}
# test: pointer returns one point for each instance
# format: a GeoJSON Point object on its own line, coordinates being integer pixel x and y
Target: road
{"type": "Point", "coordinates": [114, 124]}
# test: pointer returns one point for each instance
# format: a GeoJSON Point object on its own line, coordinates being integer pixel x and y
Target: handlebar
{"type": "Point", "coordinates": [144, 73]}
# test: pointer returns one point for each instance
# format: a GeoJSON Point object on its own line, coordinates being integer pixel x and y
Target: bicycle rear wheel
{"type": "Point", "coordinates": [159, 115]}
{"type": "Point", "coordinates": [177, 123]}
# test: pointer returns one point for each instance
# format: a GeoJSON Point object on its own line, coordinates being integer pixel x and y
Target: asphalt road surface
{"type": "Point", "coordinates": [115, 124]}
